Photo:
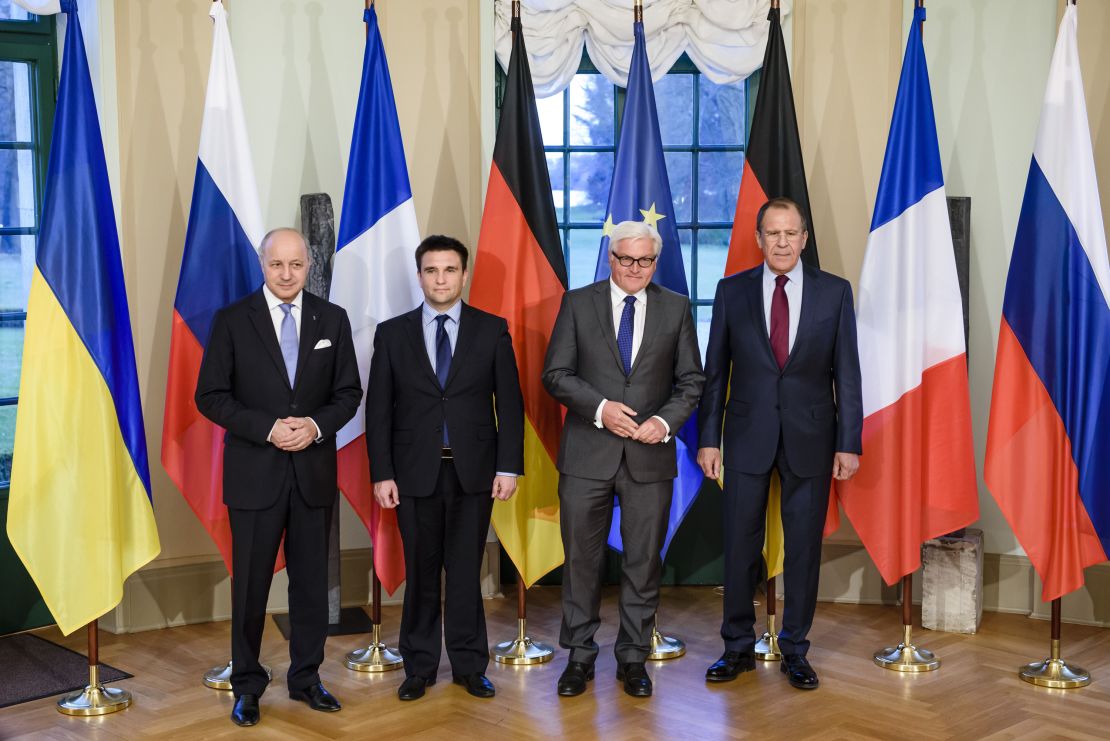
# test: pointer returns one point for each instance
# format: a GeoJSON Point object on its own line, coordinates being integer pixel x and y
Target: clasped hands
{"type": "Point", "coordinates": [294, 433]}
{"type": "Point", "coordinates": [618, 419]}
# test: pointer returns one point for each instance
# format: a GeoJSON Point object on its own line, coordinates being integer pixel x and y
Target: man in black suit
{"type": "Point", "coordinates": [623, 359]}
{"type": "Point", "coordinates": [785, 333]}
{"type": "Point", "coordinates": [445, 436]}
{"type": "Point", "coordinates": [279, 375]}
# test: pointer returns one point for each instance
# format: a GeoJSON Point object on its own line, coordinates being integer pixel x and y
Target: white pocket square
{"type": "Point", "coordinates": [322, 344]}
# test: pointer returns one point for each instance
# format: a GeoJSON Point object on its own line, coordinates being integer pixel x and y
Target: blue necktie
{"type": "Point", "coordinates": [624, 335]}
{"type": "Point", "coordinates": [443, 361]}
{"type": "Point", "coordinates": [289, 341]}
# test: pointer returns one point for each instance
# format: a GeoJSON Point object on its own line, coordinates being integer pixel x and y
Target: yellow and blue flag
{"type": "Point", "coordinates": [80, 514]}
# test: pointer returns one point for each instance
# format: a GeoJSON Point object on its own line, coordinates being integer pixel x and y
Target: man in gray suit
{"type": "Point", "coordinates": [624, 360]}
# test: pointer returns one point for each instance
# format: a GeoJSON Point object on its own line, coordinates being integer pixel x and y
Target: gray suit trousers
{"type": "Point", "coordinates": [585, 515]}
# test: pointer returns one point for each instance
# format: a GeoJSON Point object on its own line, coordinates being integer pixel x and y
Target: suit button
{"type": "Point", "coordinates": [627, 384]}
{"type": "Point", "coordinates": [292, 406]}
{"type": "Point", "coordinates": [438, 429]}
{"type": "Point", "coordinates": [444, 399]}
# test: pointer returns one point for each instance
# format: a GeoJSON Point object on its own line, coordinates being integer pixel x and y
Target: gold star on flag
{"type": "Point", "coordinates": [607, 227]}
{"type": "Point", "coordinates": [651, 216]}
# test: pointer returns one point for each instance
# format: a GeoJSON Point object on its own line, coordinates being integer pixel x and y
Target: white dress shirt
{"type": "Point", "coordinates": [277, 316]}
{"type": "Point", "coordinates": [616, 297]}
{"type": "Point", "coordinates": [793, 290]}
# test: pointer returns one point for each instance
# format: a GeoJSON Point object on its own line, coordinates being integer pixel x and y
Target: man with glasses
{"type": "Point", "coordinates": [624, 360]}
{"type": "Point", "coordinates": [785, 334]}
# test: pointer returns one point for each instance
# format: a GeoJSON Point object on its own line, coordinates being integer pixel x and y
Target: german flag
{"type": "Point", "coordinates": [519, 274]}
{"type": "Point", "coordinates": [773, 169]}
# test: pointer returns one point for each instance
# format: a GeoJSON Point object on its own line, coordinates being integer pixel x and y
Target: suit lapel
{"type": "Point", "coordinates": [759, 318]}
{"type": "Point", "coordinates": [264, 325]}
{"type": "Point", "coordinates": [603, 304]}
{"type": "Point", "coordinates": [652, 322]}
{"type": "Point", "coordinates": [415, 319]}
{"type": "Point", "coordinates": [310, 332]}
{"type": "Point", "coordinates": [465, 338]}
{"type": "Point", "coordinates": [805, 318]}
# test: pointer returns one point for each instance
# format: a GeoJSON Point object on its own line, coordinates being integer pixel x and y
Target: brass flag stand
{"type": "Point", "coordinates": [767, 647]}
{"type": "Point", "coordinates": [377, 657]}
{"type": "Point", "coordinates": [906, 657]}
{"type": "Point", "coordinates": [95, 699]}
{"type": "Point", "coordinates": [1054, 672]}
{"type": "Point", "coordinates": [522, 650]}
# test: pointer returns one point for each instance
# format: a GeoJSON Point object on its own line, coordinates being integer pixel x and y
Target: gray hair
{"type": "Point", "coordinates": [270, 238]}
{"type": "Point", "coordinates": [635, 230]}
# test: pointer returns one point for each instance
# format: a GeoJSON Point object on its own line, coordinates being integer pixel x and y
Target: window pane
{"type": "Point", "coordinates": [721, 113]}
{"type": "Point", "coordinates": [678, 172]}
{"type": "Point", "coordinates": [7, 443]}
{"type": "Point", "coordinates": [703, 315]}
{"type": "Point", "coordinates": [11, 356]}
{"type": "Point", "coordinates": [590, 174]}
{"type": "Point", "coordinates": [685, 238]}
{"type": "Point", "coordinates": [17, 187]}
{"type": "Point", "coordinates": [551, 119]}
{"type": "Point", "coordinates": [15, 99]}
{"type": "Point", "coordinates": [712, 254]}
{"type": "Point", "coordinates": [10, 11]}
{"type": "Point", "coordinates": [591, 110]}
{"type": "Point", "coordinates": [17, 261]}
{"type": "Point", "coordinates": [718, 184]}
{"type": "Point", "coordinates": [674, 99]}
{"type": "Point", "coordinates": [584, 247]}
{"type": "Point", "coordinates": [555, 171]}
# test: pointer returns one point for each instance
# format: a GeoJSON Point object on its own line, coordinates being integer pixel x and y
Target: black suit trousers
{"type": "Point", "coordinates": [444, 532]}
{"type": "Point", "coordinates": [255, 538]}
{"type": "Point", "coordinates": [805, 502]}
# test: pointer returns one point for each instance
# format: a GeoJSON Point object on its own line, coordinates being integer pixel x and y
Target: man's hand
{"type": "Point", "coordinates": [504, 487]}
{"type": "Point", "coordinates": [710, 461]}
{"type": "Point", "coordinates": [281, 433]}
{"type": "Point", "coordinates": [386, 494]}
{"type": "Point", "coordinates": [845, 466]}
{"type": "Point", "coordinates": [618, 419]}
{"type": "Point", "coordinates": [302, 432]}
{"type": "Point", "coordinates": [650, 432]}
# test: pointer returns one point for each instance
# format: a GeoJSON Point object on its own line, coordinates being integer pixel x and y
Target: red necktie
{"type": "Point", "coordinates": [780, 321]}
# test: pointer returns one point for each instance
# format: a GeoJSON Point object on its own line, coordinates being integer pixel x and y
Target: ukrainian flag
{"type": "Point", "coordinates": [80, 514]}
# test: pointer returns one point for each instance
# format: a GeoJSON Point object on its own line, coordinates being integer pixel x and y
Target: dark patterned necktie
{"type": "Point", "coordinates": [780, 321]}
{"type": "Point", "coordinates": [624, 335]}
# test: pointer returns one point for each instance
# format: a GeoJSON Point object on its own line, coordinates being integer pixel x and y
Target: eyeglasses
{"type": "Point", "coordinates": [626, 261]}
{"type": "Point", "coordinates": [790, 234]}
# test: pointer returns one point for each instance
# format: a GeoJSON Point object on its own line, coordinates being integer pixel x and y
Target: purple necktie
{"type": "Point", "coordinates": [780, 321]}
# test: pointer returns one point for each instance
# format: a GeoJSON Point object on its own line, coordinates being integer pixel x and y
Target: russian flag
{"type": "Point", "coordinates": [374, 277]}
{"type": "Point", "coordinates": [1048, 442]}
{"type": "Point", "coordinates": [219, 266]}
{"type": "Point", "coordinates": [79, 508]}
{"type": "Point", "coordinates": [917, 475]}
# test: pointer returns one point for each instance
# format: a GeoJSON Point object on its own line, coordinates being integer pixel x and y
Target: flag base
{"type": "Point", "coordinates": [377, 657]}
{"type": "Point", "coordinates": [522, 650]}
{"type": "Point", "coordinates": [767, 647]}
{"type": "Point", "coordinates": [95, 699]}
{"type": "Point", "coordinates": [1054, 672]}
{"type": "Point", "coordinates": [906, 657]}
{"type": "Point", "coordinates": [219, 677]}
{"type": "Point", "coordinates": [664, 647]}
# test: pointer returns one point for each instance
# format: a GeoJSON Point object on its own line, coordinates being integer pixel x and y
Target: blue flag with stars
{"type": "Point", "coordinates": [642, 192]}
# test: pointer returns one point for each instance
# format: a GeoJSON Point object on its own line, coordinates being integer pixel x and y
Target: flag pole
{"type": "Point", "coordinates": [377, 657]}
{"type": "Point", "coordinates": [906, 657]}
{"type": "Point", "coordinates": [767, 647]}
{"type": "Point", "coordinates": [1054, 672]}
{"type": "Point", "coordinates": [95, 699]}
{"type": "Point", "coordinates": [522, 650]}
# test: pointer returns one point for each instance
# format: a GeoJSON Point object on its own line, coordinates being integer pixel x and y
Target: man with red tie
{"type": "Point", "coordinates": [785, 333]}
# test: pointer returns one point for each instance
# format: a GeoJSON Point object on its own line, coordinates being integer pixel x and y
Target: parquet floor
{"type": "Point", "coordinates": [975, 694]}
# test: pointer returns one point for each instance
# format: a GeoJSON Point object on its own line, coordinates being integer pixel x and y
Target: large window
{"type": "Point", "coordinates": [28, 73]}
{"type": "Point", "coordinates": [704, 129]}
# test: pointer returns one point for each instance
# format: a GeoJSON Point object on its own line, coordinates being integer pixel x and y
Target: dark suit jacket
{"type": "Point", "coordinates": [583, 366]}
{"type": "Point", "coordinates": [405, 406]}
{"type": "Point", "coordinates": [814, 401]}
{"type": "Point", "coordinates": [244, 388]}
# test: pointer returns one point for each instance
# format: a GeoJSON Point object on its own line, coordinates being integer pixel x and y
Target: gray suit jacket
{"type": "Point", "coordinates": [583, 366]}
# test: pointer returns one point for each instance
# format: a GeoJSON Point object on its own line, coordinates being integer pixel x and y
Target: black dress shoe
{"type": "Point", "coordinates": [413, 687]}
{"type": "Point", "coordinates": [636, 680]}
{"type": "Point", "coordinates": [317, 698]}
{"type": "Point", "coordinates": [731, 665]}
{"type": "Point", "coordinates": [245, 712]}
{"type": "Point", "coordinates": [798, 672]}
{"type": "Point", "coordinates": [572, 682]}
{"type": "Point", "coordinates": [476, 684]}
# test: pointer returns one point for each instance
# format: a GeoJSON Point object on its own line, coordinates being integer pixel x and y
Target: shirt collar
{"type": "Point", "coordinates": [795, 274]}
{"type": "Point", "coordinates": [429, 314]}
{"type": "Point", "coordinates": [272, 301]}
{"type": "Point", "coordinates": [617, 294]}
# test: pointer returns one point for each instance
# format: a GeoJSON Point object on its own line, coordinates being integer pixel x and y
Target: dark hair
{"type": "Point", "coordinates": [441, 243]}
{"type": "Point", "coordinates": [779, 203]}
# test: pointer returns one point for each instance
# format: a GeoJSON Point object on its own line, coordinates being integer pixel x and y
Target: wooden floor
{"type": "Point", "coordinates": [975, 694]}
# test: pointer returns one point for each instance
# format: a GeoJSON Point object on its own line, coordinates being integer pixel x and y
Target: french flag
{"type": "Point", "coordinates": [374, 277]}
{"type": "Point", "coordinates": [219, 265]}
{"type": "Point", "coordinates": [917, 474]}
{"type": "Point", "coordinates": [1048, 442]}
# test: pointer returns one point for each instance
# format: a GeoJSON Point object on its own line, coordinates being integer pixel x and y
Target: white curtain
{"type": "Point", "coordinates": [724, 38]}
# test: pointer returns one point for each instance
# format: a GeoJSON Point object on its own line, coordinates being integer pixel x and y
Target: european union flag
{"type": "Point", "coordinates": [641, 192]}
